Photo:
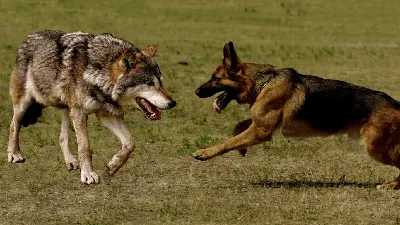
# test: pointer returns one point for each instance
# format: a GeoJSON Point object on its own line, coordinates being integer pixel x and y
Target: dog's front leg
{"type": "Point", "coordinates": [79, 121]}
{"type": "Point", "coordinates": [260, 130]}
{"type": "Point", "coordinates": [117, 126]}
{"type": "Point", "coordinates": [239, 128]}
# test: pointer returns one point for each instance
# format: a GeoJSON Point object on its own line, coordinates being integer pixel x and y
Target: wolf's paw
{"type": "Point", "coordinates": [90, 177]}
{"type": "Point", "coordinates": [202, 154]}
{"type": "Point", "coordinates": [15, 158]}
{"type": "Point", "coordinates": [389, 186]}
{"type": "Point", "coordinates": [114, 165]}
{"type": "Point", "coordinates": [72, 163]}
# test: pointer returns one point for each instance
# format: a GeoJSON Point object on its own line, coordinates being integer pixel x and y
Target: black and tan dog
{"type": "Point", "coordinates": [302, 105]}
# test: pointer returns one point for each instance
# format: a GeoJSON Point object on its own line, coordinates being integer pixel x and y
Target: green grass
{"type": "Point", "coordinates": [297, 181]}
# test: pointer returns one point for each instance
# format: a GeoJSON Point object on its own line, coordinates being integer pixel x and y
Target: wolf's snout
{"type": "Point", "coordinates": [172, 104]}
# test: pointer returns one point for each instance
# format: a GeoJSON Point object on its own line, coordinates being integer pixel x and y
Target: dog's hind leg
{"type": "Point", "coordinates": [381, 136]}
{"type": "Point", "coordinates": [70, 160]}
{"type": "Point", "coordinates": [239, 128]}
{"type": "Point", "coordinates": [117, 126]}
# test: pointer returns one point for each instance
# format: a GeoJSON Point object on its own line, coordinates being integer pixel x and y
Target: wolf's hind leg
{"type": "Point", "coordinates": [14, 151]}
{"type": "Point", "coordinates": [70, 160]}
{"type": "Point", "coordinates": [21, 103]}
{"type": "Point", "coordinates": [117, 126]}
{"type": "Point", "coordinates": [239, 128]}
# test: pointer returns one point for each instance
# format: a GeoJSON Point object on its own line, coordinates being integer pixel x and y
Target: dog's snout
{"type": "Point", "coordinates": [172, 104]}
{"type": "Point", "coordinates": [198, 92]}
{"type": "Point", "coordinates": [205, 92]}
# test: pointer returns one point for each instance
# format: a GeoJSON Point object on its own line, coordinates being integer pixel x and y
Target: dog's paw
{"type": "Point", "coordinates": [72, 164]}
{"type": "Point", "coordinates": [243, 152]}
{"type": "Point", "coordinates": [202, 154]}
{"type": "Point", "coordinates": [389, 186]}
{"type": "Point", "coordinates": [15, 158]}
{"type": "Point", "coordinates": [90, 177]}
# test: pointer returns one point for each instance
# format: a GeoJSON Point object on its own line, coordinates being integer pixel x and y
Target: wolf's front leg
{"type": "Point", "coordinates": [117, 126]}
{"type": "Point", "coordinates": [88, 175]}
{"type": "Point", "coordinates": [70, 160]}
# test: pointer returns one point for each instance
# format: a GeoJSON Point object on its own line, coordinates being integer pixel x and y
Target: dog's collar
{"type": "Point", "coordinates": [261, 82]}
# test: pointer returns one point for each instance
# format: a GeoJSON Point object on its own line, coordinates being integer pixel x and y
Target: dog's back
{"type": "Point", "coordinates": [333, 105]}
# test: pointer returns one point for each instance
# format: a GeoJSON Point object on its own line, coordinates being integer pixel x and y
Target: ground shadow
{"type": "Point", "coordinates": [311, 184]}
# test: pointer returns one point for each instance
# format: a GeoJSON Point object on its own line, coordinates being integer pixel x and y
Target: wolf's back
{"type": "Point", "coordinates": [34, 45]}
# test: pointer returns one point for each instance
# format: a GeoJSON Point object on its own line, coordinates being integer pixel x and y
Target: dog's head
{"type": "Point", "coordinates": [230, 78]}
{"type": "Point", "coordinates": [137, 76]}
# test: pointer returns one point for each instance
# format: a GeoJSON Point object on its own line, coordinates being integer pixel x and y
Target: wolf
{"type": "Point", "coordinates": [301, 105]}
{"type": "Point", "coordinates": [83, 74]}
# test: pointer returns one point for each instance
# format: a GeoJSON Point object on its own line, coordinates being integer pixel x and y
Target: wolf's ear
{"type": "Point", "coordinates": [231, 60]}
{"type": "Point", "coordinates": [151, 50]}
{"type": "Point", "coordinates": [126, 60]}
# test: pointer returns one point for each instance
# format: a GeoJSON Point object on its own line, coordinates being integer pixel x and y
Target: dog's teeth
{"type": "Point", "coordinates": [217, 109]}
{"type": "Point", "coordinates": [142, 100]}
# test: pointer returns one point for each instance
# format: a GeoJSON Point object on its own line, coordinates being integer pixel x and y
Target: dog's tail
{"type": "Point", "coordinates": [32, 114]}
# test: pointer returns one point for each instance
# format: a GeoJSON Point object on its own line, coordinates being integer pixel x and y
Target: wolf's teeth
{"type": "Point", "coordinates": [142, 100]}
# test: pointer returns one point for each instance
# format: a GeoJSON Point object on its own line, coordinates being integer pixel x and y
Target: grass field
{"type": "Point", "coordinates": [297, 181]}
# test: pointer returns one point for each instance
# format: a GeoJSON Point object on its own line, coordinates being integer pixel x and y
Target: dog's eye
{"type": "Point", "coordinates": [150, 83]}
{"type": "Point", "coordinates": [214, 78]}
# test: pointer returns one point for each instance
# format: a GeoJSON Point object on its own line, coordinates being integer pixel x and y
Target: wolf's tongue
{"type": "Point", "coordinates": [150, 109]}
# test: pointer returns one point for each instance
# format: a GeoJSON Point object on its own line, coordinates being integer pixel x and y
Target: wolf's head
{"type": "Point", "coordinates": [229, 77]}
{"type": "Point", "coordinates": [138, 77]}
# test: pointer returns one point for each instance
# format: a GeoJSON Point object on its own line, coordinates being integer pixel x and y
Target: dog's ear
{"type": "Point", "coordinates": [150, 51]}
{"type": "Point", "coordinates": [126, 60]}
{"type": "Point", "coordinates": [231, 60]}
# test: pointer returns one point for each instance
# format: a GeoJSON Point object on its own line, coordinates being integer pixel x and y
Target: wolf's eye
{"type": "Point", "coordinates": [150, 83]}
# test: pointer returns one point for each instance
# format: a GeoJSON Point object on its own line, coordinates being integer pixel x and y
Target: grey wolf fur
{"type": "Point", "coordinates": [302, 105]}
{"type": "Point", "coordinates": [84, 74]}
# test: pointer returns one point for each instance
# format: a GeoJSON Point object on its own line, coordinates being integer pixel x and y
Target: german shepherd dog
{"type": "Point", "coordinates": [302, 105]}
{"type": "Point", "coordinates": [84, 74]}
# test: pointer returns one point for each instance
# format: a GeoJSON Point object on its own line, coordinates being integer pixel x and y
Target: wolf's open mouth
{"type": "Point", "coordinates": [150, 111]}
{"type": "Point", "coordinates": [222, 101]}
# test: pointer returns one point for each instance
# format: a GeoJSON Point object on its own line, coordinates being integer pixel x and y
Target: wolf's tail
{"type": "Point", "coordinates": [32, 114]}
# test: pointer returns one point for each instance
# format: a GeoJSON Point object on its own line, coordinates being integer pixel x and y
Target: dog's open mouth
{"type": "Point", "coordinates": [149, 110]}
{"type": "Point", "coordinates": [222, 101]}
